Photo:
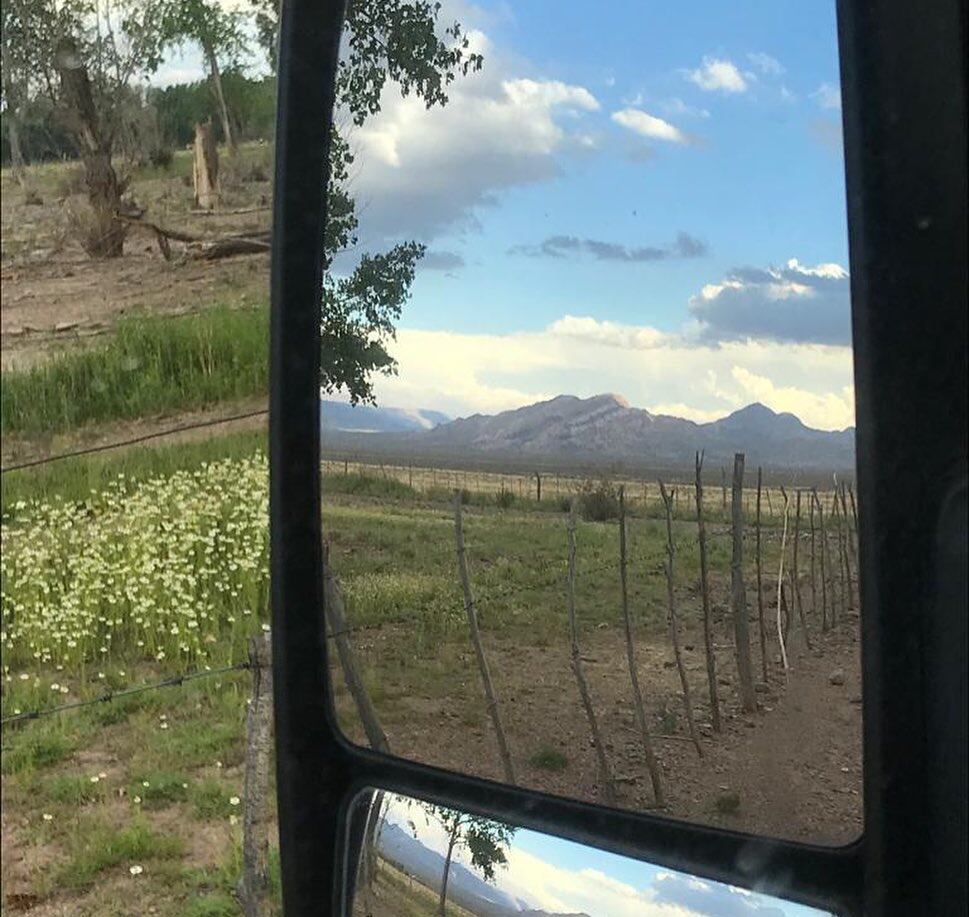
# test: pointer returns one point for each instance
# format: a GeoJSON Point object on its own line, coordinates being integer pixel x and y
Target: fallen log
{"type": "Point", "coordinates": [204, 248]}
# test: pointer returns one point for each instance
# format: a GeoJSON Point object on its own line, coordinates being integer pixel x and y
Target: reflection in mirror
{"type": "Point", "coordinates": [420, 858]}
{"type": "Point", "coordinates": [648, 599]}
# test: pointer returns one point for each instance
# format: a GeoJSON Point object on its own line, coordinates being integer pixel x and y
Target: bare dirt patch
{"type": "Point", "coordinates": [791, 770]}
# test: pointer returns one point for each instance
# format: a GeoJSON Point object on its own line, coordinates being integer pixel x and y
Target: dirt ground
{"type": "Point", "coordinates": [791, 770]}
{"type": "Point", "coordinates": [53, 295]}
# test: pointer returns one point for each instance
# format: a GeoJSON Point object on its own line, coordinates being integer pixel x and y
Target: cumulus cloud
{"type": "Point", "coordinates": [650, 126]}
{"type": "Point", "coordinates": [421, 172]}
{"type": "Point", "coordinates": [794, 303]}
{"type": "Point", "coordinates": [716, 75]}
{"type": "Point", "coordinates": [463, 373]}
{"type": "Point", "coordinates": [828, 97]}
{"type": "Point", "coordinates": [769, 66]}
{"type": "Point", "coordinates": [684, 246]}
{"type": "Point", "coordinates": [698, 896]}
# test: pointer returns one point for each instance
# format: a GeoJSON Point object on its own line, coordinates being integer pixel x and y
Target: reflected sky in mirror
{"type": "Point", "coordinates": [542, 875]}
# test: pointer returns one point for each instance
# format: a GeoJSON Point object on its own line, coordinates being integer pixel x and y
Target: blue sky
{"type": "Point", "coordinates": [560, 876]}
{"type": "Point", "coordinates": [650, 203]}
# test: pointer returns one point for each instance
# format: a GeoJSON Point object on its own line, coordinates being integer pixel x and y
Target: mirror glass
{"type": "Point", "coordinates": [588, 409]}
{"type": "Point", "coordinates": [419, 858]}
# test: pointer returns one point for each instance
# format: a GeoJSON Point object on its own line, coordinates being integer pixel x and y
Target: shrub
{"type": "Point", "coordinates": [505, 499]}
{"type": "Point", "coordinates": [549, 759]}
{"type": "Point", "coordinates": [599, 502]}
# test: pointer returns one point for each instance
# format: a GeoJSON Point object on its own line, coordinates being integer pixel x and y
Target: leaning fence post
{"type": "Point", "coordinates": [253, 889]}
{"type": "Point", "coordinates": [472, 614]}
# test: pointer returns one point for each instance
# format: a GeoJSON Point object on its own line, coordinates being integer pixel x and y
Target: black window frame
{"type": "Point", "coordinates": [904, 117]}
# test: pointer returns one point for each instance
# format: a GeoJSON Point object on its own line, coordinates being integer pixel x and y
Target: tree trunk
{"type": "Point", "coordinates": [705, 597]}
{"type": "Point", "coordinates": [738, 592]}
{"type": "Point", "coordinates": [442, 904]}
{"type": "Point", "coordinates": [760, 585]}
{"type": "Point", "coordinates": [105, 237]}
{"type": "Point", "coordinates": [472, 614]}
{"type": "Point", "coordinates": [206, 169]}
{"type": "Point", "coordinates": [673, 625]}
{"type": "Point", "coordinates": [651, 763]}
{"type": "Point", "coordinates": [605, 774]}
{"type": "Point", "coordinates": [17, 162]}
{"type": "Point", "coordinates": [220, 98]}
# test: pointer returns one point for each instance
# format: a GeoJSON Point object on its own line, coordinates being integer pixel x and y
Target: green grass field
{"type": "Point", "coordinates": [150, 365]}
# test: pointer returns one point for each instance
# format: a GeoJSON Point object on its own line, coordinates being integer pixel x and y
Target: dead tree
{"type": "Point", "coordinates": [605, 773]}
{"type": "Point", "coordinates": [671, 619]}
{"type": "Point", "coordinates": [206, 167]}
{"type": "Point", "coordinates": [795, 572]}
{"type": "Point", "coordinates": [538, 487]}
{"type": "Point", "coordinates": [760, 585]}
{"type": "Point", "coordinates": [705, 597]}
{"type": "Point", "coordinates": [738, 592]}
{"type": "Point", "coordinates": [651, 763]}
{"type": "Point", "coordinates": [780, 589]}
{"type": "Point", "coordinates": [472, 614]}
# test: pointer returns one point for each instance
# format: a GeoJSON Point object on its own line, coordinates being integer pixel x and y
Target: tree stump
{"type": "Point", "coordinates": [206, 170]}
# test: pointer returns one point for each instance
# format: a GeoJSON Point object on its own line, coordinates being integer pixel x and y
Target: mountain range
{"type": "Point", "coordinates": [605, 429]}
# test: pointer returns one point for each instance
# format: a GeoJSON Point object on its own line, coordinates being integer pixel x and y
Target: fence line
{"type": "Point", "coordinates": [174, 681]}
{"type": "Point", "coordinates": [158, 434]}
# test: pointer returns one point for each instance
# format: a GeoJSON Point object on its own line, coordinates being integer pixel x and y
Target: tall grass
{"type": "Point", "coordinates": [150, 366]}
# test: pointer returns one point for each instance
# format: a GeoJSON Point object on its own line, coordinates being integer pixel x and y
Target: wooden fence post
{"type": "Point", "coordinates": [673, 624]}
{"type": "Point", "coordinates": [538, 487]}
{"type": "Point", "coordinates": [651, 764]}
{"type": "Point", "coordinates": [472, 614]}
{"type": "Point", "coordinates": [738, 592]}
{"type": "Point", "coordinates": [253, 887]}
{"type": "Point", "coordinates": [795, 573]}
{"type": "Point", "coordinates": [780, 589]}
{"type": "Point", "coordinates": [823, 559]}
{"type": "Point", "coordinates": [335, 616]}
{"type": "Point", "coordinates": [705, 597]}
{"type": "Point", "coordinates": [760, 584]}
{"type": "Point", "coordinates": [605, 774]}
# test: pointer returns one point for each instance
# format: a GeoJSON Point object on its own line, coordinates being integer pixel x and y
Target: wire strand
{"type": "Point", "coordinates": [173, 681]}
{"type": "Point", "coordinates": [105, 447]}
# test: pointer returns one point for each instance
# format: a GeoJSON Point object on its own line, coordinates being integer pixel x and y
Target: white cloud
{"type": "Point", "coordinates": [770, 66]}
{"type": "Point", "coordinates": [828, 97]}
{"type": "Point", "coordinates": [647, 125]}
{"type": "Point", "coordinates": [423, 171]}
{"type": "Point", "coordinates": [462, 373]}
{"type": "Point", "coordinates": [715, 74]}
{"type": "Point", "coordinates": [794, 303]}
